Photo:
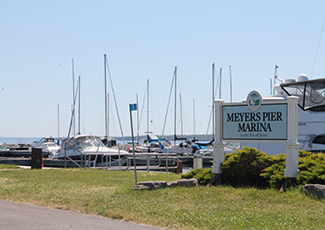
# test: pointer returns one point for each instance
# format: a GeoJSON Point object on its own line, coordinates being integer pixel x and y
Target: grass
{"type": "Point", "coordinates": [4, 166]}
{"type": "Point", "coordinates": [110, 194]}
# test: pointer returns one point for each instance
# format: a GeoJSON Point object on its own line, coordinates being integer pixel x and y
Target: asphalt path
{"type": "Point", "coordinates": [21, 216]}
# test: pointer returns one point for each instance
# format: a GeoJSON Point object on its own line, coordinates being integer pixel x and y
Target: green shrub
{"type": "Point", "coordinates": [192, 173]}
{"type": "Point", "coordinates": [311, 166]}
{"type": "Point", "coordinates": [274, 174]}
{"type": "Point", "coordinates": [204, 175]}
{"type": "Point", "coordinates": [249, 167]}
{"type": "Point", "coordinates": [243, 168]}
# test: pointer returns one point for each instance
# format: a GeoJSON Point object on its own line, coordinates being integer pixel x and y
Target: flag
{"type": "Point", "coordinates": [133, 107]}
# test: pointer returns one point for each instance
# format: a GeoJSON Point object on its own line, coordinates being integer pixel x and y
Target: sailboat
{"type": "Point", "coordinates": [205, 148]}
{"type": "Point", "coordinates": [87, 146]}
{"type": "Point", "coordinates": [184, 146]}
{"type": "Point", "coordinates": [151, 143]}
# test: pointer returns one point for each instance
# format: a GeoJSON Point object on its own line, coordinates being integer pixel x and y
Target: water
{"type": "Point", "coordinates": [19, 140]}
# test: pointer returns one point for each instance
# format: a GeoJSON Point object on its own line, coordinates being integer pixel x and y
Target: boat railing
{"type": "Point", "coordinates": [108, 158]}
{"type": "Point", "coordinates": [151, 161]}
{"type": "Point", "coordinates": [145, 161]}
{"type": "Point", "coordinates": [66, 157]}
{"type": "Point", "coordinates": [142, 161]}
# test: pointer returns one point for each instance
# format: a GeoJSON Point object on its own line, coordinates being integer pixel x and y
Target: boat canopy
{"type": "Point", "coordinates": [85, 141]}
{"type": "Point", "coordinates": [311, 93]}
{"type": "Point", "coordinates": [204, 143]}
{"type": "Point", "coordinates": [319, 139]}
{"type": "Point", "coordinates": [153, 138]}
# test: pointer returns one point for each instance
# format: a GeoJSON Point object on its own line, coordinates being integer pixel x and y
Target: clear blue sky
{"type": "Point", "coordinates": [146, 40]}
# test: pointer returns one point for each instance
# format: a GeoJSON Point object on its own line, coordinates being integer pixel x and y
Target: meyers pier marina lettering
{"type": "Point", "coordinates": [258, 116]}
{"type": "Point", "coordinates": [255, 119]}
{"type": "Point", "coordinates": [254, 122]}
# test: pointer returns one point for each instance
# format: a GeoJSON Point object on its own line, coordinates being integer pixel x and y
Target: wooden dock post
{"type": "Point", "coordinates": [179, 168]}
{"type": "Point", "coordinates": [37, 155]}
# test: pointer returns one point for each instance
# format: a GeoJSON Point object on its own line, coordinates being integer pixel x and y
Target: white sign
{"type": "Point", "coordinates": [268, 122]}
{"type": "Point", "coordinates": [259, 119]}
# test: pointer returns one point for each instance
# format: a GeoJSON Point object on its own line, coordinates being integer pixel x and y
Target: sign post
{"type": "Point", "coordinates": [292, 146]}
{"type": "Point", "coordinates": [218, 145]}
{"type": "Point", "coordinates": [133, 107]}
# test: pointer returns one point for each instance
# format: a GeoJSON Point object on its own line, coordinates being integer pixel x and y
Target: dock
{"type": "Point", "coordinates": [144, 162]}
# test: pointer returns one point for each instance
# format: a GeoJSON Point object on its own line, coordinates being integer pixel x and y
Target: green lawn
{"type": "Point", "coordinates": [110, 194]}
{"type": "Point", "coordinates": [5, 166]}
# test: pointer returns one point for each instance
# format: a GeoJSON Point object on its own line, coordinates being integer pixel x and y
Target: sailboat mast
{"type": "Point", "coordinates": [73, 113]}
{"type": "Point", "coordinates": [169, 97]}
{"type": "Point", "coordinates": [175, 112]}
{"type": "Point", "coordinates": [230, 83]}
{"type": "Point", "coordinates": [138, 124]}
{"type": "Point", "coordinates": [148, 106]}
{"type": "Point", "coordinates": [73, 96]}
{"type": "Point", "coordinates": [213, 74]}
{"type": "Point", "coordinates": [116, 107]}
{"type": "Point", "coordinates": [220, 83]}
{"type": "Point", "coordinates": [58, 120]}
{"type": "Point", "coordinates": [107, 131]}
{"type": "Point", "coordinates": [106, 109]}
{"type": "Point", "coordinates": [79, 108]}
{"type": "Point", "coordinates": [194, 117]}
{"type": "Point", "coordinates": [180, 104]}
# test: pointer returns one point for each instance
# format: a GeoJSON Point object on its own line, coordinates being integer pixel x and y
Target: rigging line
{"type": "Point", "coordinates": [319, 40]}
{"type": "Point", "coordinates": [175, 110]}
{"type": "Point", "coordinates": [118, 116]}
{"type": "Point", "coordinates": [230, 84]}
{"type": "Point", "coordinates": [113, 119]}
{"type": "Point", "coordinates": [211, 112]}
{"type": "Point", "coordinates": [144, 99]}
{"type": "Point", "coordinates": [170, 92]}
{"type": "Point", "coordinates": [152, 114]}
{"type": "Point", "coordinates": [73, 110]}
{"type": "Point", "coordinates": [138, 128]}
{"type": "Point", "coordinates": [206, 134]}
{"type": "Point", "coordinates": [148, 106]}
{"type": "Point", "coordinates": [73, 96]}
{"type": "Point", "coordinates": [220, 83]}
{"type": "Point", "coordinates": [181, 115]}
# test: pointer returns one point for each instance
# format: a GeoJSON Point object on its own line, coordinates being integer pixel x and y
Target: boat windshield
{"type": "Point", "coordinates": [311, 93]}
{"type": "Point", "coordinates": [233, 145]}
{"type": "Point", "coordinates": [51, 145]}
{"type": "Point", "coordinates": [87, 142]}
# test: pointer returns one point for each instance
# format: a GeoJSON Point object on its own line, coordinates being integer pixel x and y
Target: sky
{"type": "Point", "coordinates": [44, 44]}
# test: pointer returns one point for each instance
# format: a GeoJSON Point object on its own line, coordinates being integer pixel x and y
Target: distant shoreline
{"type": "Point", "coordinates": [28, 140]}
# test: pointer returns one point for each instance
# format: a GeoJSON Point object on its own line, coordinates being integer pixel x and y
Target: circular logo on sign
{"type": "Point", "coordinates": [254, 100]}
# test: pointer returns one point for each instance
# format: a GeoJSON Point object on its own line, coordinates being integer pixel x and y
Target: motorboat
{"type": "Point", "coordinates": [90, 147]}
{"type": "Point", "coordinates": [152, 144]}
{"type": "Point", "coordinates": [311, 115]}
{"type": "Point", "coordinates": [49, 146]}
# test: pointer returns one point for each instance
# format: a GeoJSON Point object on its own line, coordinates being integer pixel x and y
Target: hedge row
{"type": "Point", "coordinates": [249, 167]}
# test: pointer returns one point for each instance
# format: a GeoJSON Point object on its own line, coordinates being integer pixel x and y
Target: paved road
{"type": "Point", "coordinates": [21, 216]}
